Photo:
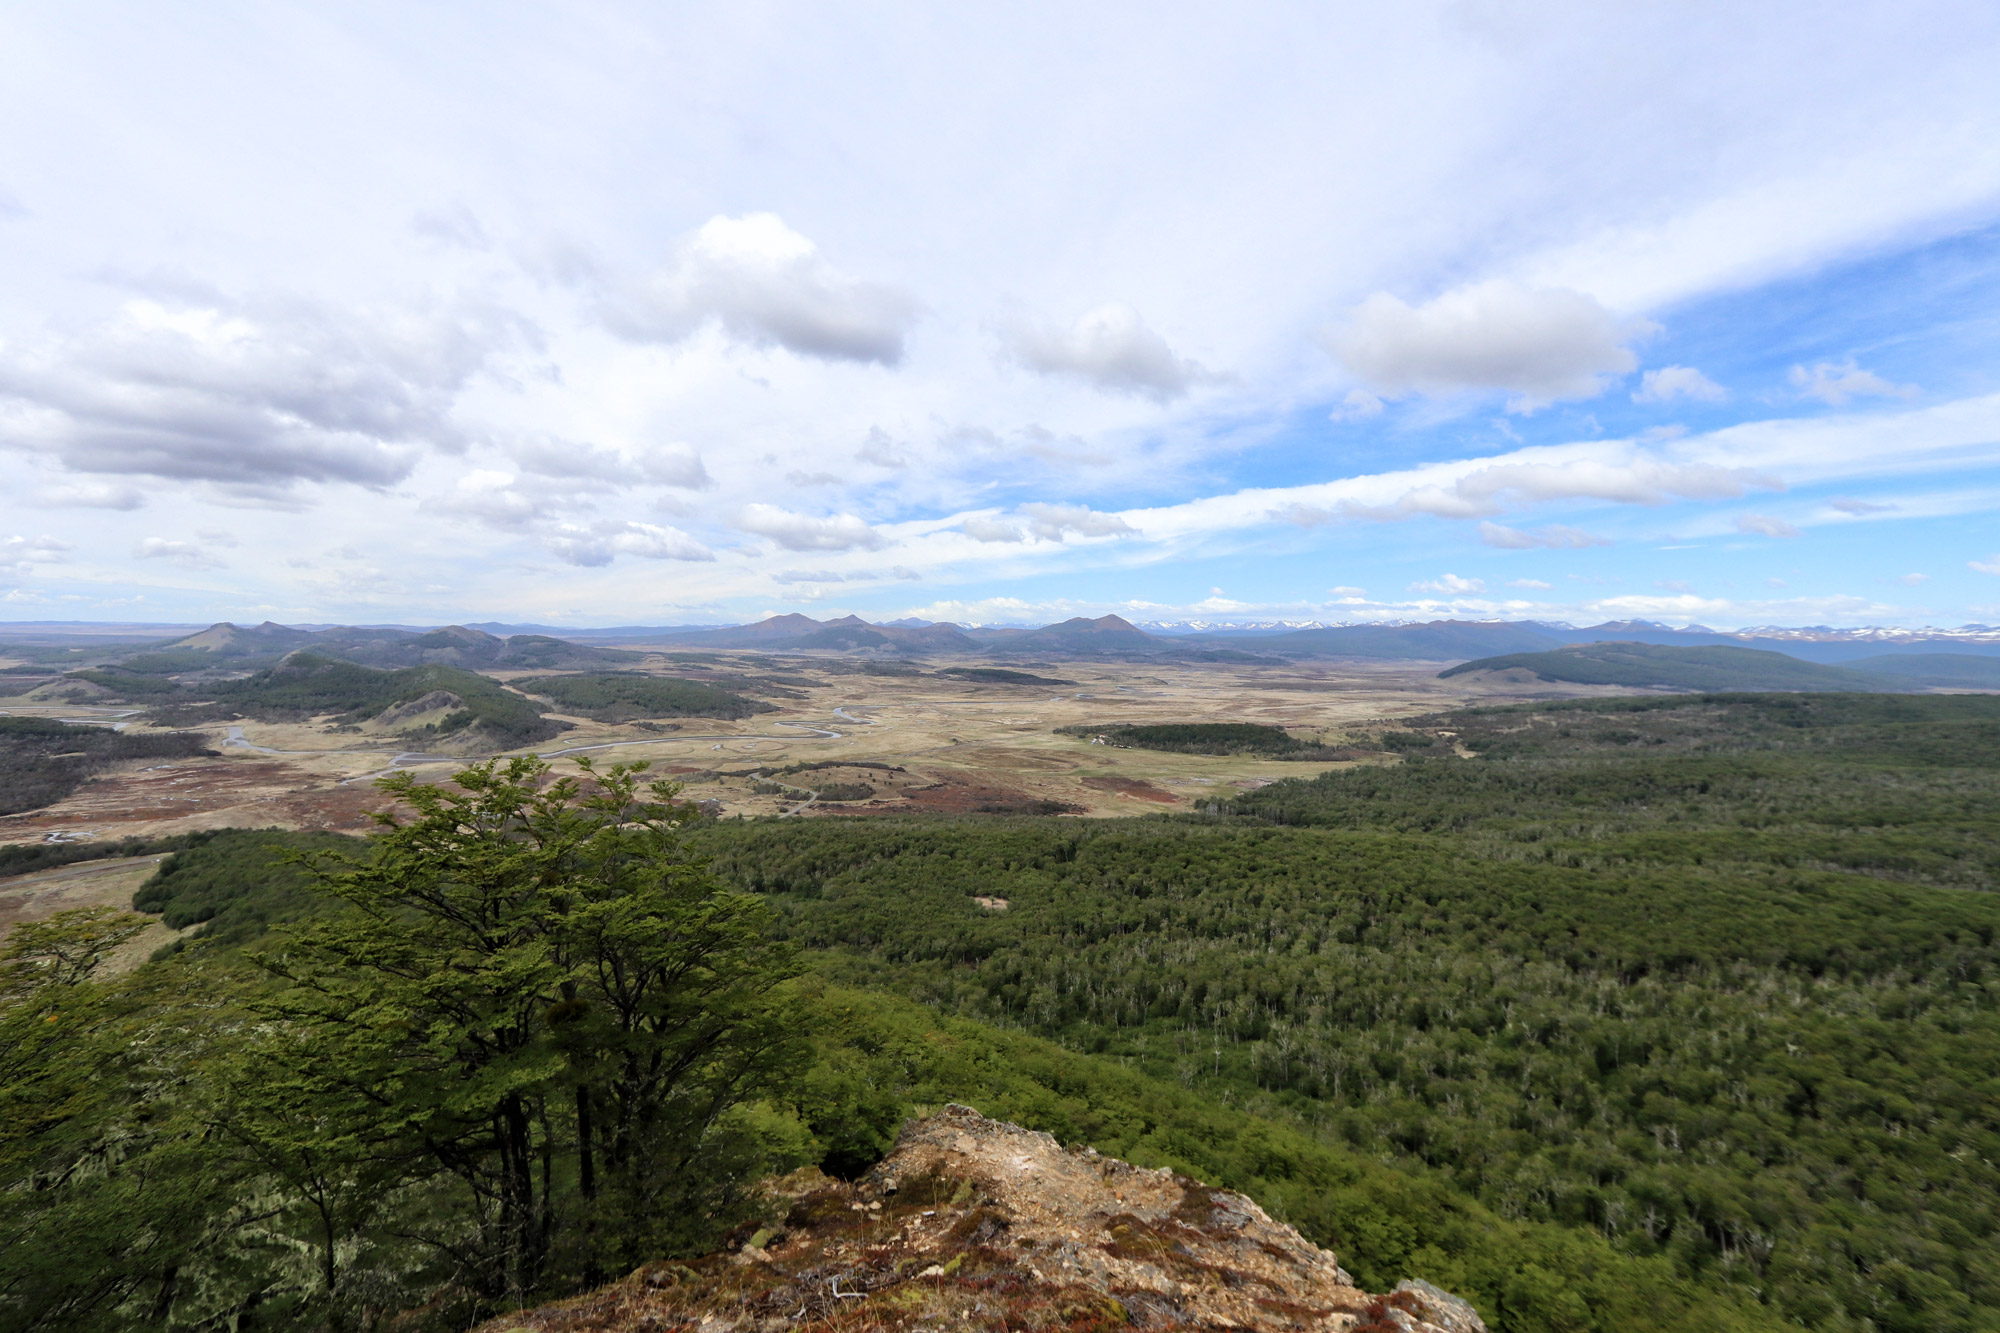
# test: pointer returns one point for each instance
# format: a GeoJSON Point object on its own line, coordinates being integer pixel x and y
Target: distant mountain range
{"type": "Point", "coordinates": [495, 645]}
{"type": "Point", "coordinates": [1717, 667]}
{"type": "Point", "coordinates": [454, 645]}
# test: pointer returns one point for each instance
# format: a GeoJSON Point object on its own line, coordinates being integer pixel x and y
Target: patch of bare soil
{"type": "Point", "coordinates": [199, 794]}
{"type": "Point", "coordinates": [1136, 787]}
{"type": "Point", "coordinates": [978, 1224]}
{"type": "Point", "coordinates": [107, 883]}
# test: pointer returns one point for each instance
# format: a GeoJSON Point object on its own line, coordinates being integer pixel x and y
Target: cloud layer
{"type": "Point", "coordinates": [764, 284]}
{"type": "Point", "coordinates": [1540, 344]}
{"type": "Point", "coordinates": [1111, 348]}
{"type": "Point", "coordinates": [269, 393]}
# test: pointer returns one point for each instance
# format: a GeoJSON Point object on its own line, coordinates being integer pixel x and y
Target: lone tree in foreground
{"type": "Point", "coordinates": [541, 1009]}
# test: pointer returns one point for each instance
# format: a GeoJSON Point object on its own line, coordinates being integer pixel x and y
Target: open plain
{"type": "Point", "coordinates": [915, 739]}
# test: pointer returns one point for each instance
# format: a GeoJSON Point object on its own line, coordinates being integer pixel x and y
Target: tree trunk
{"type": "Point", "coordinates": [586, 1155]}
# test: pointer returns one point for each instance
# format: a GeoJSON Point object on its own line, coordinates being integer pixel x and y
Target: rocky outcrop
{"type": "Point", "coordinates": [975, 1223]}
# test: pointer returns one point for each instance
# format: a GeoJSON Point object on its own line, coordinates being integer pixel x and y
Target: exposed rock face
{"type": "Point", "coordinates": [977, 1223]}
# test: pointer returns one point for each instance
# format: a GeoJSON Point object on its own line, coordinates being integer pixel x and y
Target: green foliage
{"type": "Point", "coordinates": [104, 1196]}
{"type": "Point", "coordinates": [42, 760]}
{"type": "Point", "coordinates": [619, 696]}
{"type": "Point", "coordinates": [1196, 737]}
{"type": "Point", "coordinates": [1906, 787]}
{"type": "Point", "coordinates": [544, 1010]}
{"type": "Point", "coordinates": [880, 1059]}
{"type": "Point", "coordinates": [26, 858]}
{"type": "Point", "coordinates": [1605, 978]}
{"type": "Point", "coordinates": [1656, 665]}
{"type": "Point", "coordinates": [238, 883]}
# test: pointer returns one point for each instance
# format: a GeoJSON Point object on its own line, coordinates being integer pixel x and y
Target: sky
{"type": "Point", "coordinates": [614, 314]}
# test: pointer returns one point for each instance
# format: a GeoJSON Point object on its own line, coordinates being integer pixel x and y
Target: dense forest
{"type": "Point", "coordinates": [620, 696]}
{"type": "Point", "coordinates": [1700, 976]}
{"type": "Point", "coordinates": [43, 760]}
{"type": "Point", "coordinates": [1668, 1013]}
{"type": "Point", "coordinates": [1196, 737]}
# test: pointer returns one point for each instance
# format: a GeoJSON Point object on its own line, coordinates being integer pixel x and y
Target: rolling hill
{"type": "Point", "coordinates": [306, 685]}
{"type": "Point", "coordinates": [1646, 665]}
{"type": "Point", "coordinates": [1437, 641]}
{"type": "Point", "coordinates": [1951, 670]}
{"type": "Point", "coordinates": [1081, 636]}
{"type": "Point", "coordinates": [227, 645]}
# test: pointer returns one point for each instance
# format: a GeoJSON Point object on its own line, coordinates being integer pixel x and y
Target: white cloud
{"type": "Point", "coordinates": [491, 497]}
{"type": "Point", "coordinates": [805, 532]}
{"type": "Point", "coordinates": [1671, 382]}
{"type": "Point", "coordinates": [81, 494]}
{"type": "Point", "coordinates": [1051, 521]}
{"type": "Point", "coordinates": [1536, 584]}
{"type": "Point", "coordinates": [1109, 347]}
{"type": "Point", "coordinates": [1555, 537]}
{"type": "Point", "coordinates": [1914, 580]}
{"type": "Point", "coordinates": [800, 478]}
{"type": "Point", "coordinates": [1358, 405]}
{"type": "Point", "coordinates": [18, 555]}
{"type": "Point", "coordinates": [572, 460]}
{"type": "Point", "coordinates": [1763, 525]}
{"type": "Point", "coordinates": [808, 576]}
{"type": "Point", "coordinates": [1541, 345]}
{"type": "Point", "coordinates": [1345, 591]}
{"type": "Point", "coordinates": [600, 543]}
{"type": "Point", "coordinates": [1451, 584]}
{"type": "Point", "coordinates": [991, 530]}
{"type": "Point", "coordinates": [1859, 507]}
{"type": "Point", "coordinates": [1638, 479]}
{"type": "Point", "coordinates": [766, 285]}
{"type": "Point", "coordinates": [880, 450]}
{"type": "Point", "coordinates": [181, 553]}
{"type": "Point", "coordinates": [1836, 384]}
{"type": "Point", "coordinates": [250, 393]}
{"type": "Point", "coordinates": [453, 225]}
{"type": "Point", "coordinates": [1990, 565]}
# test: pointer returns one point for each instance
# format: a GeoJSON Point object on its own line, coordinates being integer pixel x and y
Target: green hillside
{"type": "Point", "coordinates": [306, 685]}
{"type": "Point", "coordinates": [1696, 976]}
{"type": "Point", "coordinates": [1647, 665]}
{"type": "Point", "coordinates": [217, 1222]}
{"type": "Point", "coordinates": [1964, 671]}
{"type": "Point", "coordinates": [617, 696]}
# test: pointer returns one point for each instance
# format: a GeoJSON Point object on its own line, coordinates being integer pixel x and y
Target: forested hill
{"type": "Point", "coordinates": [1717, 979]}
{"type": "Point", "coordinates": [1648, 665]}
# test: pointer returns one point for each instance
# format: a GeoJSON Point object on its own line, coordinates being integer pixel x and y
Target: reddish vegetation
{"type": "Point", "coordinates": [956, 796]}
{"type": "Point", "coordinates": [1138, 787]}
{"type": "Point", "coordinates": [976, 1224]}
{"type": "Point", "coordinates": [201, 793]}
